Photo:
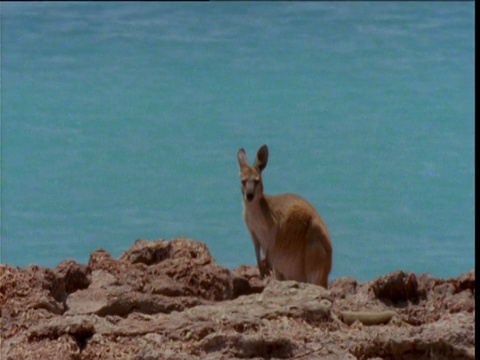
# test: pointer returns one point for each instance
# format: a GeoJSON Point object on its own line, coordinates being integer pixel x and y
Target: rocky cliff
{"type": "Point", "coordinates": [171, 300]}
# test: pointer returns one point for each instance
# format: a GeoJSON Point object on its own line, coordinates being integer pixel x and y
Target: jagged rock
{"type": "Point", "coordinates": [343, 286]}
{"type": "Point", "coordinates": [154, 252]}
{"type": "Point", "coordinates": [247, 280]}
{"type": "Point", "coordinates": [171, 300]}
{"type": "Point", "coordinates": [397, 287]}
{"type": "Point", "coordinates": [81, 328]}
{"type": "Point", "coordinates": [122, 300]}
{"type": "Point", "coordinates": [164, 285]}
{"type": "Point", "coordinates": [34, 288]}
{"type": "Point", "coordinates": [187, 263]}
{"type": "Point", "coordinates": [449, 338]}
{"type": "Point", "coordinates": [64, 347]}
{"type": "Point", "coordinates": [181, 267]}
{"type": "Point", "coordinates": [466, 281]}
{"type": "Point", "coordinates": [74, 276]}
{"type": "Point", "coordinates": [147, 252]}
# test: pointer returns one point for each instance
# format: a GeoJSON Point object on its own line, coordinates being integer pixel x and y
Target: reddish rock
{"type": "Point", "coordinates": [147, 252]}
{"type": "Point", "coordinates": [397, 287]}
{"type": "Point", "coordinates": [342, 287]}
{"type": "Point", "coordinates": [154, 252]}
{"type": "Point", "coordinates": [465, 282]}
{"type": "Point", "coordinates": [32, 288]}
{"type": "Point", "coordinates": [170, 299]}
{"type": "Point", "coordinates": [186, 267]}
{"type": "Point", "coordinates": [74, 276]}
{"type": "Point", "coordinates": [247, 280]}
{"type": "Point", "coordinates": [102, 260]}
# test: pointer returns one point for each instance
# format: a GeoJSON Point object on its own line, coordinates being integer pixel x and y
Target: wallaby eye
{"type": "Point", "coordinates": [244, 182]}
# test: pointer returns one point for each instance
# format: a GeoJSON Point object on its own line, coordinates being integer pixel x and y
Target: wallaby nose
{"type": "Point", "coordinates": [249, 196]}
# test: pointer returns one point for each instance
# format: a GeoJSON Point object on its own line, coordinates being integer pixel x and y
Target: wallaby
{"type": "Point", "coordinates": [293, 237]}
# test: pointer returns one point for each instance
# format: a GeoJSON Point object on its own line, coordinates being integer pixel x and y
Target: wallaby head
{"type": "Point", "coordinates": [251, 177]}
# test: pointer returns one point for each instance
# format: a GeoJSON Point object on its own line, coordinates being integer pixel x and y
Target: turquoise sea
{"type": "Point", "coordinates": [122, 121]}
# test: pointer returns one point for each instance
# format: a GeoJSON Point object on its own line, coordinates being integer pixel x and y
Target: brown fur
{"type": "Point", "coordinates": [292, 235]}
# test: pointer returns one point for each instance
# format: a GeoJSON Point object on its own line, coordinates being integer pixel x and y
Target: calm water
{"type": "Point", "coordinates": [122, 121]}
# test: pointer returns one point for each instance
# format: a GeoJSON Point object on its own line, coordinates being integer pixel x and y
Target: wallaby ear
{"type": "Point", "coordinates": [242, 158]}
{"type": "Point", "coordinates": [262, 158]}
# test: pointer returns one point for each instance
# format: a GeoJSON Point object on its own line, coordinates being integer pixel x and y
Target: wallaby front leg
{"type": "Point", "coordinates": [266, 264]}
{"type": "Point", "coordinates": [262, 265]}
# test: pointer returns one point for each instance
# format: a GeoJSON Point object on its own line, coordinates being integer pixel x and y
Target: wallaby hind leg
{"type": "Point", "coordinates": [318, 255]}
{"type": "Point", "coordinates": [318, 277]}
{"type": "Point", "coordinates": [278, 275]}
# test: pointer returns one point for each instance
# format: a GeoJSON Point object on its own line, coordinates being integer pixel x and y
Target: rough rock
{"type": "Point", "coordinates": [171, 300]}
{"type": "Point", "coordinates": [247, 280]}
{"type": "Point", "coordinates": [74, 276]}
{"type": "Point", "coordinates": [397, 287]}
